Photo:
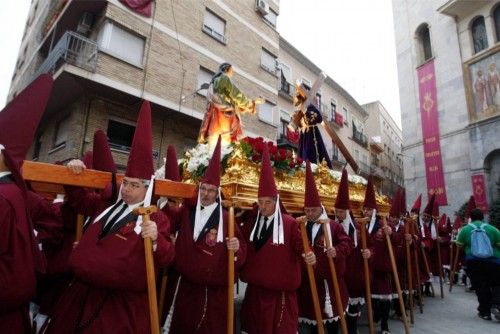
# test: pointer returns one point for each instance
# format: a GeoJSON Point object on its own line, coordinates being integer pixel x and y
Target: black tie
{"type": "Point", "coordinates": [202, 207]}
{"type": "Point", "coordinates": [309, 229]}
{"type": "Point", "coordinates": [263, 228]}
{"type": "Point", "coordinates": [113, 220]}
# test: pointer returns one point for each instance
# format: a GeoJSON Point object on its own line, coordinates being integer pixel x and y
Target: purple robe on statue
{"type": "Point", "coordinates": [311, 145]}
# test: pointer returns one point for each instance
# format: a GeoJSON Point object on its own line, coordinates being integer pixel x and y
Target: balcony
{"type": "Point", "coordinates": [286, 90]}
{"type": "Point", "coordinates": [359, 137]}
{"type": "Point", "coordinates": [376, 171]}
{"type": "Point", "coordinates": [461, 8]}
{"type": "Point", "coordinates": [72, 49]}
{"type": "Point", "coordinates": [364, 169]}
{"type": "Point", "coordinates": [287, 142]}
{"type": "Point", "coordinates": [337, 121]}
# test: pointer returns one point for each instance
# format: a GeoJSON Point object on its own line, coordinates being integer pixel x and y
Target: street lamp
{"type": "Point", "coordinates": [202, 87]}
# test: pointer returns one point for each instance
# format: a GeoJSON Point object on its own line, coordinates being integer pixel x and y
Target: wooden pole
{"type": "Point", "coordinates": [409, 272]}
{"type": "Point", "coordinates": [455, 264]}
{"type": "Point", "coordinates": [312, 281]}
{"type": "Point", "coordinates": [427, 268]}
{"type": "Point", "coordinates": [451, 259]}
{"type": "Point", "coordinates": [417, 268]}
{"type": "Point", "coordinates": [230, 275]}
{"type": "Point", "coordinates": [150, 272]}
{"type": "Point", "coordinates": [440, 269]}
{"type": "Point", "coordinates": [336, 289]}
{"type": "Point", "coordinates": [343, 149]}
{"type": "Point", "coordinates": [366, 272]}
{"type": "Point", "coordinates": [79, 227]}
{"type": "Point", "coordinates": [163, 292]}
{"type": "Point", "coordinates": [396, 278]}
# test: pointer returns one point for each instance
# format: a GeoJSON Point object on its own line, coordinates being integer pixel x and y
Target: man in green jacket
{"type": "Point", "coordinates": [484, 273]}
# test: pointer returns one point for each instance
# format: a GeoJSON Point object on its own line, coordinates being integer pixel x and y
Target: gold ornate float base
{"type": "Point", "coordinates": [241, 178]}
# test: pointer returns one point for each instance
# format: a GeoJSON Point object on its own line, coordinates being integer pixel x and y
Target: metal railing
{"type": "Point", "coordinates": [359, 137]}
{"type": "Point", "coordinates": [72, 49]}
{"type": "Point", "coordinates": [363, 167]}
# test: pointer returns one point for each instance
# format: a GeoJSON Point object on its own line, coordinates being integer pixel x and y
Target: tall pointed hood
{"type": "Point", "coordinates": [19, 121]}
{"type": "Point", "coordinates": [212, 174]}
{"type": "Point", "coordinates": [471, 205]}
{"type": "Point", "coordinates": [267, 185]}
{"type": "Point", "coordinates": [311, 196]}
{"type": "Point", "coordinates": [417, 205]}
{"type": "Point", "coordinates": [171, 166]}
{"type": "Point", "coordinates": [430, 205]}
{"type": "Point", "coordinates": [140, 160]}
{"type": "Point", "coordinates": [342, 200]}
{"type": "Point", "coordinates": [102, 157]}
{"type": "Point", "coordinates": [394, 212]}
{"type": "Point", "coordinates": [370, 200]}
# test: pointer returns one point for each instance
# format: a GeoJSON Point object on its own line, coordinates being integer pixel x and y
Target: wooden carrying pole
{"type": "Point", "coordinates": [427, 268]}
{"type": "Point", "coordinates": [366, 272]}
{"type": "Point", "coordinates": [336, 288]}
{"type": "Point", "coordinates": [79, 227]}
{"type": "Point", "coordinates": [230, 275]}
{"type": "Point", "coordinates": [150, 272]}
{"type": "Point", "coordinates": [163, 292]}
{"type": "Point", "coordinates": [396, 279]}
{"type": "Point", "coordinates": [455, 265]}
{"type": "Point", "coordinates": [417, 268]}
{"type": "Point", "coordinates": [409, 271]}
{"type": "Point", "coordinates": [451, 259]}
{"type": "Point", "coordinates": [440, 269]}
{"type": "Point", "coordinates": [312, 281]}
{"type": "Point", "coordinates": [345, 152]}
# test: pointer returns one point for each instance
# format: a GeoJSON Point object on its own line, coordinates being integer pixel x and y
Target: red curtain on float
{"type": "Point", "coordinates": [142, 7]}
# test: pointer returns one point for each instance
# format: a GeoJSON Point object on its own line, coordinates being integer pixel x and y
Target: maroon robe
{"type": "Point", "coordinates": [444, 231]}
{"type": "Point", "coordinates": [429, 247]}
{"type": "Point", "coordinates": [399, 249]}
{"type": "Point", "coordinates": [382, 270]}
{"type": "Point", "coordinates": [273, 275]}
{"type": "Point", "coordinates": [17, 270]}
{"type": "Point", "coordinates": [343, 247]}
{"type": "Point", "coordinates": [354, 275]}
{"type": "Point", "coordinates": [200, 304]}
{"type": "Point", "coordinates": [109, 293]}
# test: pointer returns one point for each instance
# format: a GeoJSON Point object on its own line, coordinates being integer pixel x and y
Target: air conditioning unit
{"type": "Point", "coordinates": [262, 6]}
{"type": "Point", "coordinates": [85, 23]}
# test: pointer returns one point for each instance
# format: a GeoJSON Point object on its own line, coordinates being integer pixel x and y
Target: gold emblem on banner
{"type": "Point", "coordinates": [428, 104]}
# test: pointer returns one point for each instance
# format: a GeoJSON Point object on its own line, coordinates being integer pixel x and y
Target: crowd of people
{"type": "Point", "coordinates": [313, 272]}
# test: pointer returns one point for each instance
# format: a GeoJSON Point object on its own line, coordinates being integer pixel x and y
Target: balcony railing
{"type": "Point", "coordinates": [72, 49]}
{"type": "Point", "coordinates": [364, 168]}
{"type": "Point", "coordinates": [359, 137]}
{"type": "Point", "coordinates": [287, 90]}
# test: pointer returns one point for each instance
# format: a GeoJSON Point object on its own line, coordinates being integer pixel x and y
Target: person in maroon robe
{"type": "Point", "coordinates": [353, 276]}
{"type": "Point", "coordinates": [109, 292]}
{"type": "Point", "coordinates": [273, 265]}
{"type": "Point", "coordinates": [429, 236]}
{"type": "Point", "coordinates": [381, 288]}
{"type": "Point", "coordinates": [416, 246]}
{"type": "Point", "coordinates": [444, 241]}
{"type": "Point", "coordinates": [201, 247]}
{"type": "Point", "coordinates": [340, 248]}
{"type": "Point", "coordinates": [20, 257]}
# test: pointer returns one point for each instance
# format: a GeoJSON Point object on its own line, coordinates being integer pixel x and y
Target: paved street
{"type": "Point", "coordinates": [455, 314]}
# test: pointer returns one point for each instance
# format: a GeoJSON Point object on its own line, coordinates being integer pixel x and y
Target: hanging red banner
{"type": "Point", "coordinates": [142, 7]}
{"type": "Point", "coordinates": [430, 132]}
{"type": "Point", "coordinates": [479, 191]}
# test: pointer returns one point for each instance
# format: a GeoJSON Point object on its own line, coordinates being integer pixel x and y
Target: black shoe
{"type": "Point", "coordinates": [496, 312]}
{"type": "Point", "coordinates": [484, 316]}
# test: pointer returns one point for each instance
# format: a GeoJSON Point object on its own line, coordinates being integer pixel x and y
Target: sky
{"type": "Point", "coordinates": [350, 40]}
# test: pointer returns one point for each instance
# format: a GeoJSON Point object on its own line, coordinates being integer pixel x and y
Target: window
{"type": "Point", "coordinates": [120, 43]}
{"type": "Point", "coordinates": [333, 108]}
{"type": "Point", "coordinates": [424, 43]}
{"type": "Point", "coordinates": [62, 131]}
{"type": "Point", "coordinates": [267, 113]}
{"type": "Point", "coordinates": [286, 72]}
{"type": "Point", "coordinates": [120, 134]}
{"type": "Point", "coordinates": [284, 121]}
{"type": "Point", "coordinates": [318, 100]}
{"type": "Point", "coordinates": [496, 19]}
{"type": "Point", "coordinates": [271, 18]}
{"type": "Point", "coordinates": [306, 83]}
{"type": "Point", "coordinates": [214, 26]}
{"type": "Point", "coordinates": [344, 115]}
{"type": "Point", "coordinates": [479, 38]}
{"type": "Point", "coordinates": [204, 76]}
{"type": "Point", "coordinates": [268, 61]}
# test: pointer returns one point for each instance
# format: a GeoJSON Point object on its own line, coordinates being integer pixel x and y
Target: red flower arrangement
{"type": "Point", "coordinates": [283, 159]}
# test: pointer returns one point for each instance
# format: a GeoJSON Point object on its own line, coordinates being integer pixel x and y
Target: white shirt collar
{"type": "Point", "coordinates": [2, 174]}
